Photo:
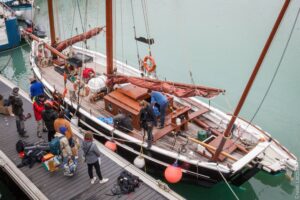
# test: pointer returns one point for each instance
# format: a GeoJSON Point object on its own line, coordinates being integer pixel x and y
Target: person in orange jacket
{"type": "Point", "coordinates": [62, 122]}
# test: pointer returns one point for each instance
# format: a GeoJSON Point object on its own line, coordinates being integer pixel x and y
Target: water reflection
{"type": "Point", "coordinates": [280, 181]}
{"type": "Point", "coordinates": [14, 65]}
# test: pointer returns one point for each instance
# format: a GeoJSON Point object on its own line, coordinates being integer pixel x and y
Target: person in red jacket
{"type": "Point", "coordinates": [38, 107]}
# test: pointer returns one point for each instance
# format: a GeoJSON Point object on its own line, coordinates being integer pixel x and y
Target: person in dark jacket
{"type": "Point", "coordinates": [36, 88]}
{"type": "Point", "coordinates": [147, 120]}
{"type": "Point", "coordinates": [49, 115]}
{"type": "Point", "coordinates": [17, 109]}
{"type": "Point", "coordinates": [92, 156]}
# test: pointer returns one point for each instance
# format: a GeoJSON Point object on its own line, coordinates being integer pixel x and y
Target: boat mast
{"type": "Point", "coordinates": [227, 132]}
{"type": "Point", "coordinates": [51, 22]}
{"type": "Point", "coordinates": [109, 38]}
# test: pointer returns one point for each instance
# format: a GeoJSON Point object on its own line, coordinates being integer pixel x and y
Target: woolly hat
{"type": "Point", "coordinates": [62, 130]}
{"type": "Point", "coordinates": [15, 91]}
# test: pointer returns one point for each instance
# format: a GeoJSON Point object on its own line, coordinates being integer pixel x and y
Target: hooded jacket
{"type": "Point", "coordinates": [49, 115]}
{"type": "Point", "coordinates": [38, 108]}
{"type": "Point", "coordinates": [64, 145]}
{"type": "Point", "coordinates": [36, 88]}
{"type": "Point", "coordinates": [90, 151]}
{"type": "Point", "coordinates": [17, 105]}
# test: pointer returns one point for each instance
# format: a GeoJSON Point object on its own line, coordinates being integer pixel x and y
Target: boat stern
{"type": "Point", "coordinates": [277, 158]}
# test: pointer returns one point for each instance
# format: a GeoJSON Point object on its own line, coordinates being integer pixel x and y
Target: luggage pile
{"type": "Point", "coordinates": [48, 154]}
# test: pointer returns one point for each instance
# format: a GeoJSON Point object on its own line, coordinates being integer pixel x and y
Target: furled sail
{"type": "Point", "coordinates": [78, 38]}
{"type": "Point", "coordinates": [177, 89]}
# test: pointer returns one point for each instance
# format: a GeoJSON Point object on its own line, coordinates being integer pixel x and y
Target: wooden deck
{"type": "Point", "coordinates": [56, 186]}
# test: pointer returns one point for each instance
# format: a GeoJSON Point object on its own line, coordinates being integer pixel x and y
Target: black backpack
{"type": "Point", "coordinates": [127, 183]}
{"type": "Point", "coordinates": [20, 145]}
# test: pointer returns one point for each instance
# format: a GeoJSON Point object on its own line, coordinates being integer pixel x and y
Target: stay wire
{"type": "Point", "coordinates": [122, 32]}
{"type": "Point", "coordinates": [7, 63]}
{"type": "Point", "coordinates": [277, 68]}
{"type": "Point", "coordinates": [80, 16]}
{"type": "Point", "coordinates": [73, 20]}
{"type": "Point", "coordinates": [145, 13]}
{"type": "Point", "coordinates": [273, 78]}
{"type": "Point", "coordinates": [234, 194]}
{"type": "Point", "coordinates": [134, 30]}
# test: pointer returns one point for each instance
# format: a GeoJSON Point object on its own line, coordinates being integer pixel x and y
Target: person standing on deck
{"type": "Point", "coordinates": [147, 120]}
{"type": "Point", "coordinates": [92, 155]}
{"type": "Point", "coordinates": [162, 101]}
{"type": "Point", "coordinates": [38, 107]}
{"type": "Point", "coordinates": [17, 109]}
{"type": "Point", "coordinates": [49, 116]}
{"type": "Point", "coordinates": [36, 88]}
{"type": "Point", "coordinates": [61, 121]}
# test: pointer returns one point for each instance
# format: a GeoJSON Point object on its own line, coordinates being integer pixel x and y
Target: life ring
{"type": "Point", "coordinates": [149, 67]}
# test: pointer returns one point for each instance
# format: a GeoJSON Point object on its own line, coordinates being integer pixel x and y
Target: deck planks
{"type": "Point", "coordinates": [54, 185]}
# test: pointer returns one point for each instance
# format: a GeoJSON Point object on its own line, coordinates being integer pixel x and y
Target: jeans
{"type": "Point", "coordinates": [40, 126]}
{"type": "Point", "coordinates": [20, 125]}
{"type": "Point", "coordinates": [163, 109]}
{"type": "Point", "coordinates": [97, 168]}
{"type": "Point", "coordinates": [50, 135]}
{"type": "Point", "coordinates": [148, 127]}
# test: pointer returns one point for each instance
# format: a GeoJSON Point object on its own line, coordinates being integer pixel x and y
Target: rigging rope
{"type": "Point", "coordinates": [234, 194]}
{"type": "Point", "coordinates": [3, 68]}
{"type": "Point", "coordinates": [73, 20]}
{"type": "Point", "coordinates": [122, 33]}
{"type": "Point", "coordinates": [277, 68]}
{"type": "Point", "coordinates": [145, 12]}
{"type": "Point", "coordinates": [272, 80]}
{"type": "Point", "coordinates": [134, 30]}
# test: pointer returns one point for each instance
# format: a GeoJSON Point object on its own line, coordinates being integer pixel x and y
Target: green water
{"type": "Point", "coordinates": [219, 42]}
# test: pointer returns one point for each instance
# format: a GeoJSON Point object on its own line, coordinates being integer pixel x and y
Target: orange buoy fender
{"type": "Point", "coordinates": [111, 145]}
{"type": "Point", "coordinates": [173, 174]}
{"type": "Point", "coordinates": [149, 67]}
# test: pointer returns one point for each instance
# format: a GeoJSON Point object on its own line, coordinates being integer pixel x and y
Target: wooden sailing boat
{"type": "Point", "coordinates": [193, 136]}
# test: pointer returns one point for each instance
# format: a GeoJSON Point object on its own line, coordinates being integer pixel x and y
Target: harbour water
{"type": "Point", "coordinates": [219, 43]}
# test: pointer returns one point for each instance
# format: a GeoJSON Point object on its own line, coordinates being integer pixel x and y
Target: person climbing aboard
{"type": "Point", "coordinates": [162, 101]}
{"type": "Point", "coordinates": [147, 120]}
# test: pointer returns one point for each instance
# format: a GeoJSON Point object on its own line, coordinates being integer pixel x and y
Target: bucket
{"type": "Point", "coordinates": [74, 120]}
{"type": "Point", "coordinates": [202, 135]}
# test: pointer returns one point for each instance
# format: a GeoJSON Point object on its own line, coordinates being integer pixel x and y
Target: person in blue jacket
{"type": "Point", "coordinates": [36, 88]}
{"type": "Point", "coordinates": [162, 101]}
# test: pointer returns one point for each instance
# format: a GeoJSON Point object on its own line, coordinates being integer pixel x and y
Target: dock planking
{"type": "Point", "coordinates": [57, 186]}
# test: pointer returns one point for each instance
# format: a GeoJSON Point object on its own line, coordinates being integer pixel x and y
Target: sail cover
{"type": "Point", "coordinates": [78, 38]}
{"type": "Point", "coordinates": [177, 89]}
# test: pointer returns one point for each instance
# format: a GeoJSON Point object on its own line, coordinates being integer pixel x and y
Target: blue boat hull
{"type": "Point", "coordinates": [13, 37]}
